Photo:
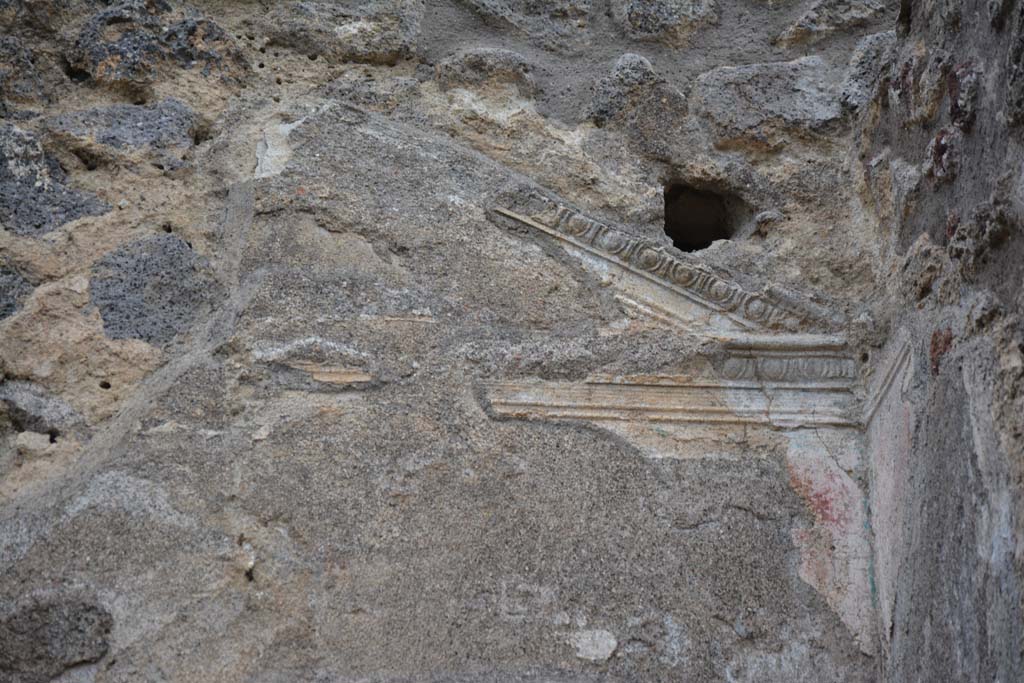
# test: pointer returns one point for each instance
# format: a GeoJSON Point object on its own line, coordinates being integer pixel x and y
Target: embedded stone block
{"type": "Point", "coordinates": [152, 289]}
{"type": "Point", "coordinates": [34, 194]}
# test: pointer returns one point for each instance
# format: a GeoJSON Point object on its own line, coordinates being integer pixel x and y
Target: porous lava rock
{"type": "Point", "coordinates": [151, 289]}
{"type": "Point", "coordinates": [35, 193]}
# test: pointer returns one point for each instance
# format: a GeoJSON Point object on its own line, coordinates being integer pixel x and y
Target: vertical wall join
{"type": "Point", "coordinates": [890, 426]}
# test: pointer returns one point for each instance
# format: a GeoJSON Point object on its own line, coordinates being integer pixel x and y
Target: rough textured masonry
{"type": "Point", "coordinates": [494, 341]}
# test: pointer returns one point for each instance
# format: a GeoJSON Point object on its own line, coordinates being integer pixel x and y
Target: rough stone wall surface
{"type": "Point", "coordinates": [940, 158]}
{"type": "Point", "coordinates": [344, 341]}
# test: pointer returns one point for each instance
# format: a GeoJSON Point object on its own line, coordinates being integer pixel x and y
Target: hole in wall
{"type": "Point", "coordinates": [202, 132]}
{"type": "Point", "coordinates": [54, 435]}
{"type": "Point", "coordinates": [89, 160]}
{"type": "Point", "coordinates": [906, 12]}
{"type": "Point", "coordinates": [695, 217]}
{"type": "Point", "coordinates": [104, 384]}
{"type": "Point", "coordinates": [73, 73]}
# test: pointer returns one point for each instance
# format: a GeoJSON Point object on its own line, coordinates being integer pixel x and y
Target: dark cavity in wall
{"type": "Point", "coordinates": [694, 218]}
{"type": "Point", "coordinates": [905, 16]}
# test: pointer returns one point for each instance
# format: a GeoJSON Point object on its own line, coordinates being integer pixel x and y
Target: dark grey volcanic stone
{"type": "Point", "coordinates": [43, 638]}
{"type": "Point", "coordinates": [34, 196]}
{"type": "Point", "coordinates": [151, 289]}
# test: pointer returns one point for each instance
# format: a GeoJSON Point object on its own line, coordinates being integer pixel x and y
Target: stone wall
{"type": "Point", "coordinates": [940, 157]}
{"type": "Point", "coordinates": [345, 341]}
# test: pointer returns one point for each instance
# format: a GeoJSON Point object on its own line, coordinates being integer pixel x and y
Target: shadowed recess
{"type": "Point", "coordinates": [694, 218]}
